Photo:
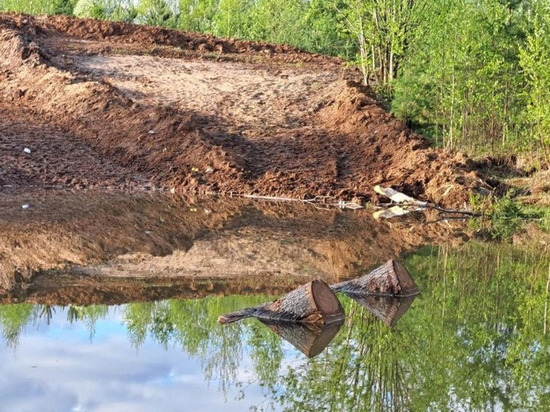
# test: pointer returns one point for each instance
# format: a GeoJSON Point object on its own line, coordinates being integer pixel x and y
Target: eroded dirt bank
{"type": "Point", "coordinates": [149, 108]}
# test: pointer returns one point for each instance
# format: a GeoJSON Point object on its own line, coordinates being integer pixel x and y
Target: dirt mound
{"type": "Point", "coordinates": [209, 115]}
{"type": "Point", "coordinates": [150, 40]}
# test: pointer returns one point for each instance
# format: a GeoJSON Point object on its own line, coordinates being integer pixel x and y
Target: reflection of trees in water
{"type": "Point", "coordinates": [482, 325]}
{"type": "Point", "coordinates": [89, 315]}
{"type": "Point", "coordinates": [475, 339]}
{"type": "Point", "coordinates": [13, 319]}
{"type": "Point", "coordinates": [361, 370]}
{"type": "Point", "coordinates": [192, 325]}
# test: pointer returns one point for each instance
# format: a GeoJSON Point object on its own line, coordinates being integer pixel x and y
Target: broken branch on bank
{"type": "Point", "coordinates": [407, 204]}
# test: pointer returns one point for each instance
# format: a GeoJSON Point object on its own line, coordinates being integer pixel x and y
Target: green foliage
{"type": "Point", "coordinates": [461, 78]}
{"type": "Point", "coordinates": [503, 217]}
{"type": "Point", "coordinates": [29, 6]}
{"type": "Point", "coordinates": [89, 8]}
{"type": "Point", "coordinates": [507, 218]}
{"type": "Point", "coordinates": [157, 13]}
{"type": "Point", "coordinates": [323, 31]}
{"type": "Point", "coordinates": [197, 15]}
{"type": "Point", "coordinates": [535, 62]}
{"type": "Point", "coordinates": [13, 320]}
{"type": "Point", "coordinates": [276, 21]}
{"type": "Point", "coordinates": [106, 9]}
{"type": "Point", "coordinates": [473, 77]}
{"type": "Point", "coordinates": [63, 6]}
{"type": "Point", "coordinates": [380, 29]}
{"type": "Point", "coordinates": [231, 19]}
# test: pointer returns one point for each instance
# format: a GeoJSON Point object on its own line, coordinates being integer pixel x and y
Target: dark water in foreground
{"type": "Point", "coordinates": [477, 338]}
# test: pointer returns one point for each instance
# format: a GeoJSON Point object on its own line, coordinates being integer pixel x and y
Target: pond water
{"type": "Point", "coordinates": [477, 338]}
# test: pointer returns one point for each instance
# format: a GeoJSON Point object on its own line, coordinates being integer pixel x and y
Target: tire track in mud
{"type": "Point", "coordinates": [35, 154]}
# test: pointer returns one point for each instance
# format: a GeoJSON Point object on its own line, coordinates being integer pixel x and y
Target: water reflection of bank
{"type": "Point", "coordinates": [469, 341]}
{"type": "Point", "coordinates": [160, 239]}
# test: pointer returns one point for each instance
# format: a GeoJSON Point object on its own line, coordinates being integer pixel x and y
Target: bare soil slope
{"type": "Point", "coordinates": [119, 106]}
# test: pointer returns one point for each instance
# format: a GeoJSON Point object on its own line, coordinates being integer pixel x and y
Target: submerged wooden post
{"type": "Point", "coordinates": [390, 279]}
{"type": "Point", "coordinates": [313, 303]}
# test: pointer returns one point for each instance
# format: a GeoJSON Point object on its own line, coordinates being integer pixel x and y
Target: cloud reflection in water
{"type": "Point", "coordinates": [56, 367]}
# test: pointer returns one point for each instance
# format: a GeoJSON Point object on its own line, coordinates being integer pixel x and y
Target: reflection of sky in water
{"type": "Point", "coordinates": [56, 368]}
{"type": "Point", "coordinates": [474, 340]}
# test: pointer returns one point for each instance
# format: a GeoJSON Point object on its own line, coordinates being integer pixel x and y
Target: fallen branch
{"type": "Point", "coordinates": [318, 200]}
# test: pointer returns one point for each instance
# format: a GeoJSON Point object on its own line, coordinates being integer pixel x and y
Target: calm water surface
{"type": "Point", "coordinates": [477, 338]}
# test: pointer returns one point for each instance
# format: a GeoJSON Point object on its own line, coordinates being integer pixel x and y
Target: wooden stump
{"type": "Point", "coordinates": [310, 339]}
{"type": "Point", "coordinates": [390, 279]}
{"type": "Point", "coordinates": [313, 303]}
{"type": "Point", "coordinates": [388, 309]}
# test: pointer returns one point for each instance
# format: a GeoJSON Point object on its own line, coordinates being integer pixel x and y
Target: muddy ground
{"type": "Point", "coordinates": [114, 105]}
{"type": "Point", "coordinates": [91, 109]}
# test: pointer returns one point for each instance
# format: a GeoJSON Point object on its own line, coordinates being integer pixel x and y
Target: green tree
{"type": "Point", "coordinates": [106, 9]}
{"type": "Point", "coordinates": [461, 80]}
{"type": "Point", "coordinates": [197, 15]}
{"type": "Point", "coordinates": [14, 319]}
{"type": "Point", "coordinates": [278, 21]}
{"type": "Point", "coordinates": [381, 29]}
{"type": "Point", "coordinates": [158, 13]}
{"type": "Point", "coordinates": [29, 6]}
{"type": "Point", "coordinates": [63, 6]}
{"type": "Point", "coordinates": [232, 19]}
{"type": "Point", "coordinates": [319, 32]}
{"type": "Point", "coordinates": [535, 62]}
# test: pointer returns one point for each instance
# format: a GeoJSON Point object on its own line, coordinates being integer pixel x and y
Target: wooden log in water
{"type": "Point", "coordinates": [390, 279]}
{"type": "Point", "coordinates": [313, 303]}
{"type": "Point", "coordinates": [310, 339]}
{"type": "Point", "coordinates": [388, 309]}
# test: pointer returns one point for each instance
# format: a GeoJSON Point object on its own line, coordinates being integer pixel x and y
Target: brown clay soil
{"type": "Point", "coordinates": [90, 109]}
{"type": "Point", "coordinates": [115, 105]}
